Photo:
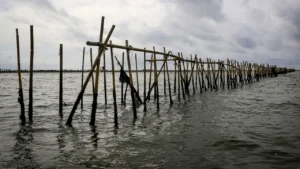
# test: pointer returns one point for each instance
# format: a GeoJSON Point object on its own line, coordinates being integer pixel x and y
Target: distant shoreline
{"type": "Point", "coordinates": [75, 71]}
{"type": "Point", "coordinates": [67, 71]}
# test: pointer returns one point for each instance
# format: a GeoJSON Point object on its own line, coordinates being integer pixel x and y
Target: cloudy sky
{"type": "Point", "coordinates": [258, 31]}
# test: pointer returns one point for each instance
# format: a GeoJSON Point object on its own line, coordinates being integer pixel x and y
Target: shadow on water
{"type": "Point", "coordinates": [22, 156]}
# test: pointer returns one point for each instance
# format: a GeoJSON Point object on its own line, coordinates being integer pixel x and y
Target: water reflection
{"type": "Point", "coordinates": [94, 138]}
{"type": "Point", "coordinates": [22, 156]}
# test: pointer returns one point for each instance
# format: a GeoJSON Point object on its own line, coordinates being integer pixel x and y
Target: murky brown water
{"type": "Point", "coordinates": [254, 126]}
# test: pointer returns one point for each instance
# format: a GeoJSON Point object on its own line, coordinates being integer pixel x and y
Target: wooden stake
{"type": "Point", "coordinates": [122, 84]}
{"type": "Point", "coordinates": [181, 77]}
{"type": "Point", "coordinates": [156, 79]}
{"type": "Point", "coordinates": [169, 85]}
{"type": "Point", "coordinates": [202, 76]}
{"type": "Point", "coordinates": [61, 81]}
{"type": "Point", "coordinates": [114, 87]}
{"type": "Point", "coordinates": [104, 74]}
{"type": "Point", "coordinates": [82, 71]}
{"type": "Point", "coordinates": [228, 75]}
{"type": "Point", "coordinates": [196, 76]}
{"type": "Point", "coordinates": [145, 80]}
{"type": "Point", "coordinates": [125, 93]}
{"type": "Point", "coordinates": [69, 122]}
{"type": "Point", "coordinates": [131, 82]}
{"type": "Point", "coordinates": [165, 85]}
{"type": "Point", "coordinates": [179, 80]}
{"type": "Point", "coordinates": [31, 74]}
{"type": "Point", "coordinates": [95, 94]}
{"type": "Point", "coordinates": [93, 81]}
{"type": "Point", "coordinates": [150, 71]}
{"type": "Point", "coordinates": [21, 98]}
{"type": "Point", "coordinates": [137, 75]}
{"type": "Point", "coordinates": [175, 64]}
{"type": "Point", "coordinates": [192, 75]}
{"type": "Point", "coordinates": [184, 78]}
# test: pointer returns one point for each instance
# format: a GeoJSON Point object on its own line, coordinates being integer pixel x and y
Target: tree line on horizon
{"type": "Point", "coordinates": [64, 70]}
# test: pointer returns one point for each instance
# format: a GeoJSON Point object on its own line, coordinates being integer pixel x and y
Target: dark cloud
{"type": "Point", "coordinates": [255, 31]}
{"type": "Point", "coordinates": [291, 13]}
{"type": "Point", "coordinates": [246, 42]}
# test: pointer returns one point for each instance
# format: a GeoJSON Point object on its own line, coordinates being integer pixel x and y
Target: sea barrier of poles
{"type": "Point", "coordinates": [188, 72]}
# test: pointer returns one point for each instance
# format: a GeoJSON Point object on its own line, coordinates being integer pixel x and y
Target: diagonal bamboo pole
{"type": "Point", "coordinates": [102, 48]}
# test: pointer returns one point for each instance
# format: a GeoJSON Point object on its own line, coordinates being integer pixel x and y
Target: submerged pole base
{"type": "Point", "coordinates": [21, 101]}
{"type": "Point", "coordinates": [94, 108]}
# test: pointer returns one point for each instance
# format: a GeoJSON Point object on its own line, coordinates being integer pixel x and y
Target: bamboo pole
{"type": "Point", "coordinates": [185, 85]}
{"type": "Point", "coordinates": [165, 90]}
{"type": "Point", "coordinates": [208, 74]}
{"type": "Point", "coordinates": [125, 94]}
{"type": "Point", "coordinates": [221, 74]}
{"type": "Point", "coordinates": [153, 85]}
{"type": "Point", "coordinates": [213, 75]}
{"type": "Point", "coordinates": [61, 81]}
{"type": "Point", "coordinates": [175, 76]}
{"type": "Point", "coordinates": [202, 76]}
{"type": "Point", "coordinates": [102, 48]}
{"type": "Point", "coordinates": [192, 75]}
{"type": "Point", "coordinates": [228, 75]}
{"type": "Point", "coordinates": [131, 83]}
{"type": "Point", "coordinates": [150, 72]}
{"type": "Point", "coordinates": [179, 80]}
{"type": "Point", "coordinates": [217, 76]}
{"type": "Point", "coordinates": [104, 75]}
{"type": "Point", "coordinates": [31, 74]}
{"type": "Point", "coordinates": [216, 72]}
{"type": "Point", "coordinates": [97, 62]}
{"type": "Point", "coordinates": [93, 81]}
{"type": "Point", "coordinates": [145, 80]}
{"type": "Point", "coordinates": [137, 75]}
{"type": "Point", "coordinates": [156, 79]}
{"type": "Point", "coordinates": [168, 76]}
{"type": "Point", "coordinates": [234, 72]}
{"type": "Point", "coordinates": [196, 76]}
{"type": "Point", "coordinates": [122, 84]}
{"type": "Point", "coordinates": [114, 87]}
{"type": "Point", "coordinates": [82, 71]}
{"type": "Point", "coordinates": [199, 78]}
{"type": "Point", "coordinates": [21, 98]}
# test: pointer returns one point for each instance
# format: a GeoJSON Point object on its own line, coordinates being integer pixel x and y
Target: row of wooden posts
{"type": "Point", "coordinates": [204, 75]}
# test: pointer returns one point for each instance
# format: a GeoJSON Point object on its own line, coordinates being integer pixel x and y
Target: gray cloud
{"type": "Point", "coordinates": [246, 42]}
{"type": "Point", "coordinates": [210, 28]}
{"type": "Point", "coordinates": [211, 9]}
{"type": "Point", "coordinates": [51, 14]}
{"type": "Point", "coordinates": [291, 13]}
